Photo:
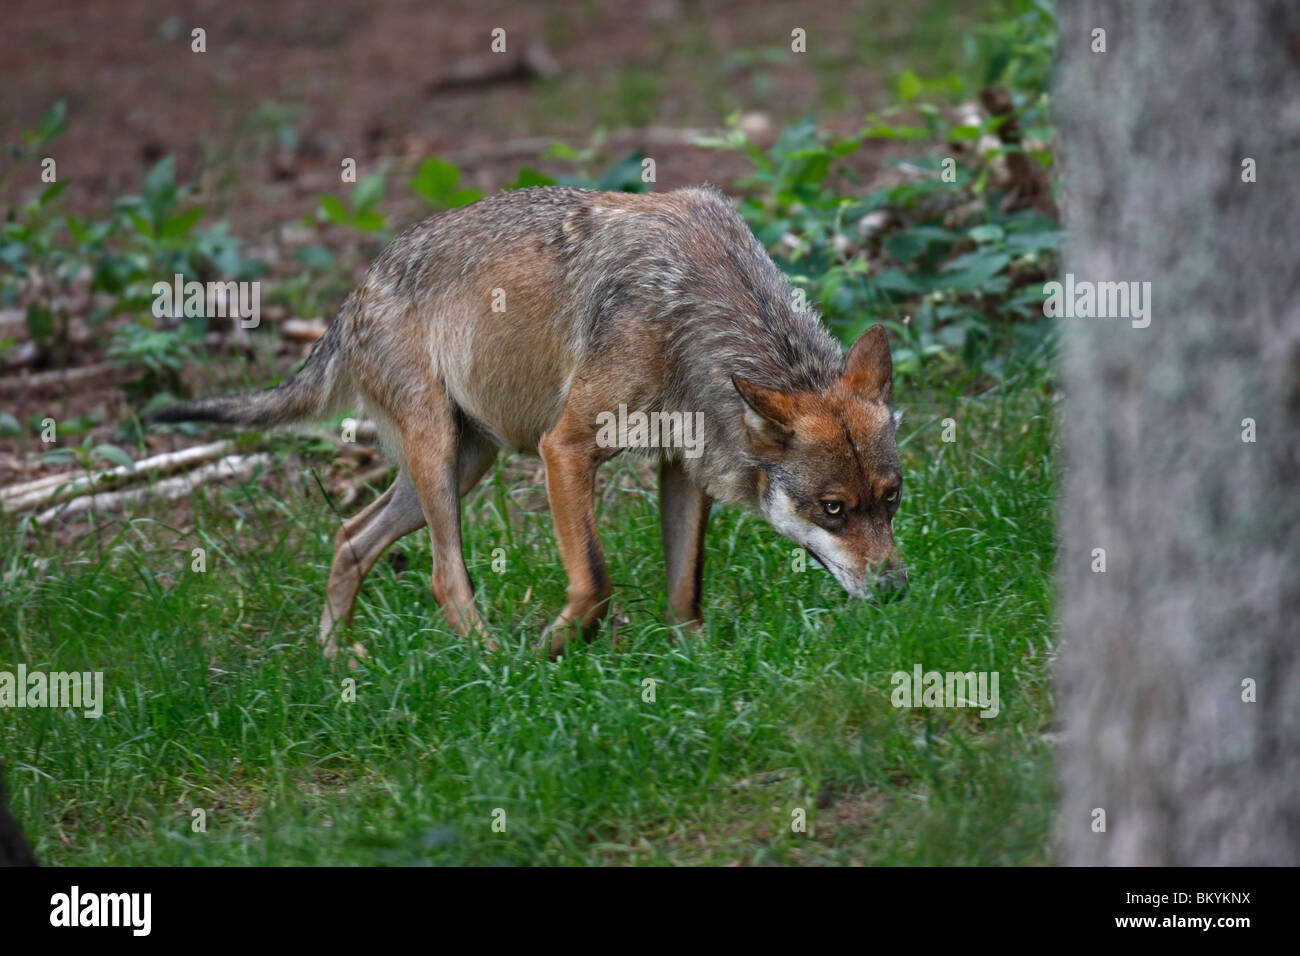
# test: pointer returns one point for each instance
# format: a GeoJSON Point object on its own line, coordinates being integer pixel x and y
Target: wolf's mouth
{"type": "Point", "coordinates": [835, 571]}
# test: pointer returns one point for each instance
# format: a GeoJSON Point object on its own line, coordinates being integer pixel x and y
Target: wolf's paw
{"type": "Point", "coordinates": [355, 654]}
{"type": "Point", "coordinates": [557, 635]}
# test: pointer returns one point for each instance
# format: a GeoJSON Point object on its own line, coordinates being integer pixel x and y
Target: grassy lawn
{"type": "Point", "coordinates": [217, 697]}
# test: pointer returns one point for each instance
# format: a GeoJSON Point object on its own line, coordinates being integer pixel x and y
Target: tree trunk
{"type": "Point", "coordinates": [1200, 597]}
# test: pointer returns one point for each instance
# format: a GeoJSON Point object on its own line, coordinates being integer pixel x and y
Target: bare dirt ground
{"type": "Point", "coordinates": [376, 80]}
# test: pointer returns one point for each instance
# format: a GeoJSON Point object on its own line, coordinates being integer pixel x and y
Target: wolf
{"type": "Point", "coordinates": [522, 320]}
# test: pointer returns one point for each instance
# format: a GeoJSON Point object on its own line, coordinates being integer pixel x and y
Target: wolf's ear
{"type": "Point", "coordinates": [769, 414]}
{"type": "Point", "coordinates": [868, 369]}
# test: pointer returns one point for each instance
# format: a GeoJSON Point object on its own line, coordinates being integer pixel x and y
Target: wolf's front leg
{"type": "Point", "coordinates": [571, 456]}
{"type": "Point", "coordinates": [683, 516]}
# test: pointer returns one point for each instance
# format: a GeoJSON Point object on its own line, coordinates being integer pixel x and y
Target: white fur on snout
{"type": "Point", "coordinates": [781, 514]}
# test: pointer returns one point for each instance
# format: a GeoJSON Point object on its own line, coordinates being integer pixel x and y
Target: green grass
{"type": "Point", "coordinates": [218, 699]}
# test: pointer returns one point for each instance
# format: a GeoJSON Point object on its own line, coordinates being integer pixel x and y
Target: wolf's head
{"type": "Point", "coordinates": [829, 477]}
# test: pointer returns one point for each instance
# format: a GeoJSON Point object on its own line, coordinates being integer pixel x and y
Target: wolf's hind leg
{"type": "Point", "coordinates": [358, 545]}
{"type": "Point", "coordinates": [475, 459]}
{"type": "Point", "coordinates": [432, 436]}
{"type": "Point", "coordinates": [391, 516]}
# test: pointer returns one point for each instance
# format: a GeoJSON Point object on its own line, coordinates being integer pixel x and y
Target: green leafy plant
{"type": "Point", "coordinates": [156, 233]}
{"type": "Point", "coordinates": [592, 169]}
{"type": "Point", "coordinates": [41, 272]}
{"type": "Point", "coordinates": [360, 213]}
{"type": "Point", "coordinates": [112, 262]}
{"type": "Point", "coordinates": [437, 183]}
{"type": "Point", "coordinates": [39, 267]}
{"type": "Point", "coordinates": [936, 253]}
{"type": "Point", "coordinates": [88, 454]}
{"type": "Point", "coordinates": [160, 354]}
{"type": "Point", "coordinates": [621, 175]}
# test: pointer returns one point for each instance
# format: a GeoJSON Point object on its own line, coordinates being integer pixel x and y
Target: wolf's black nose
{"type": "Point", "coordinates": [891, 585]}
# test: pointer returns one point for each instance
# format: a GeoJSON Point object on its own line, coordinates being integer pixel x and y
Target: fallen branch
{"type": "Point", "coordinates": [41, 491]}
{"type": "Point", "coordinates": [238, 467]}
{"type": "Point", "coordinates": [27, 487]}
{"type": "Point", "coordinates": [490, 69]}
{"type": "Point", "coordinates": [365, 433]}
{"type": "Point", "coordinates": [70, 376]}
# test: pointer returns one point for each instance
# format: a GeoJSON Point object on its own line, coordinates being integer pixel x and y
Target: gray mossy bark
{"type": "Point", "coordinates": [1201, 529]}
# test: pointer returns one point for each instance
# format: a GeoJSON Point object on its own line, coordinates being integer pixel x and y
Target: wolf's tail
{"type": "Point", "coordinates": [315, 390]}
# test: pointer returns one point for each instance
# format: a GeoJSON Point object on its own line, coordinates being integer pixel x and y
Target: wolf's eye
{"type": "Point", "coordinates": [832, 508]}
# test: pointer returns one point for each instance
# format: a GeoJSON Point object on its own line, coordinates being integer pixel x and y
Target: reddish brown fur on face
{"type": "Point", "coordinates": [844, 451]}
{"type": "Point", "coordinates": [836, 446]}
